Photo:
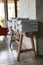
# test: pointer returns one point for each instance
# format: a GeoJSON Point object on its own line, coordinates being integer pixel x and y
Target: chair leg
{"type": "Point", "coordinates": [20, 45]}
{"type": "Point", "coordinates": [11, 39]}
{"type": "Point", "coordinates": [10, 42]}
{"type": "Point", "coordinates": [33, 46]}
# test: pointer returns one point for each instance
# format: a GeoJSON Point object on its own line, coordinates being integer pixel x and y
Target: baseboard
{"type": "Point", "coordinates": [41, 56]}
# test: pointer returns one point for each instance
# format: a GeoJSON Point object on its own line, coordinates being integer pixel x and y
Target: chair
{"type": "Point", "coordinates": [11, 27]}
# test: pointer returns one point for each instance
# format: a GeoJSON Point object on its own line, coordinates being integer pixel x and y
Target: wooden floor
{"type": "Point", "coordinates": [9, 57]}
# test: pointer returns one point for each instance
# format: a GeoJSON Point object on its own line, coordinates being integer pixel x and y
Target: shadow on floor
{"type": "Point", "coordinates": [3, 45]}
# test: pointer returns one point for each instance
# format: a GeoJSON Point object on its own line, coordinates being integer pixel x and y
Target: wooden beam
{"type": "Point", "coordinates": [1, 1]}
{"type": "Point", "coordinates": [9, 1]}
{"type": "Point", "coordinates": [26, 50]}
{"type": "Point", "coordinates": [15, 2]}
{"type": "Point", "coordinates": [5, 10]}
{"type": "Point", "coordinates": [12, 1]}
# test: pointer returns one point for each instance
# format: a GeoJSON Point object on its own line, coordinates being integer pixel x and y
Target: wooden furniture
{"type": "Point", "coordinates": [19, 40]}
{"type": "Point", "coordinates": [30, 28]}
{"type": "Point", "coordinates": [20, 50]}
{"type": "Point", "coordinates": [3, 31]}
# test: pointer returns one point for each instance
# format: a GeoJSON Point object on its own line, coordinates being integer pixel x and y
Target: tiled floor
{"type": "Point", "coordinates": [9, 57]}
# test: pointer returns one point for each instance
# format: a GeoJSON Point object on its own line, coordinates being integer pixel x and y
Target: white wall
{"type": "Point", "coordinates": [28, 9]}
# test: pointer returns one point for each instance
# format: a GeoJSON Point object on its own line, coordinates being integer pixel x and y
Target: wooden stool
{"type": "Point", "coordinates": [20, 45]}
{"type": "Point", "coordinates": [20, 39]}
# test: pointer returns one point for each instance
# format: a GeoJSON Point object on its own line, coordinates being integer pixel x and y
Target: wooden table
{"type": "Point", "coordinates": [3, 31]}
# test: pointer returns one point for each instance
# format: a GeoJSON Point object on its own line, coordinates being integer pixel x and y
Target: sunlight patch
{"type": "Point", "coordinates": [1, 38]}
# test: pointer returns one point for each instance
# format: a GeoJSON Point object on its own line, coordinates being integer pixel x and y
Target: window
{"type": "Point", "coordinates": [11, 11]}
{"type": "Point", "coordinates": [1, 14]}
{"type": "Point", "coordinates": [18, 9]}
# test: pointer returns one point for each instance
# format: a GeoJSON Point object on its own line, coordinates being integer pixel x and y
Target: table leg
{"type": "Point", "coordinates": [20, 46]}
{"type": "Point", "coordinates": [33, 45]}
